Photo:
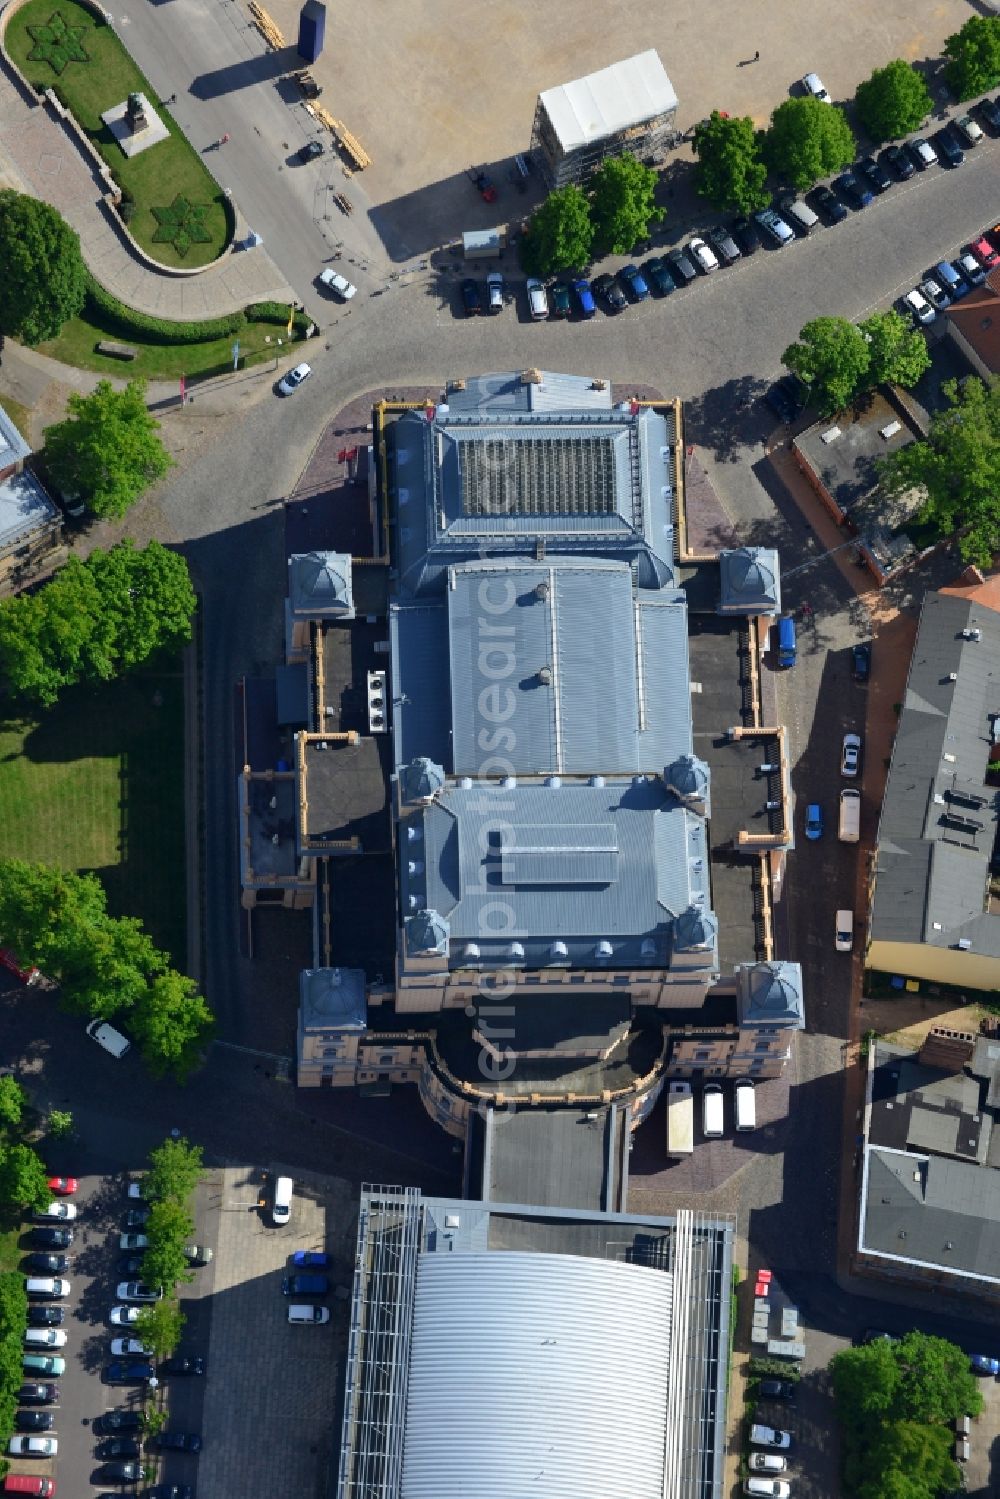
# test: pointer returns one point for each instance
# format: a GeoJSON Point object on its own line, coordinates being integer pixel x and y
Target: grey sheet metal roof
{"type": "Point", "coordinates": [939, 817]}
{"type": "Point", "coordinates": [319, 585]}
{"type": "Point", "coordinates": [932, 1211]}
{"type": "Point", "coordinates": [508, 392]}
{"type": "Point", "coordinates": [749, 581]}
{"type": "Point", "coordinates": [588, 482]}
{"type": "Point", "coordinates": [555, 873]}
{"type": "Point", "coordinates": [536, 1373]}
{"type": "Point", "coordinates": [421, 720]}
{"type": "Point", "coordinates": [333, 998]}
{"type": "Point", "coordinates": [24, 508]}
{"type": "Point", "coordinates": [14, 448]}
{"type": "Point", "coordinates": [770, 994]}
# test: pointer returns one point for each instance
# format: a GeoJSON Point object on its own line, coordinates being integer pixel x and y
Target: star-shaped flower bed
{"type": "Point", "coordinates": [57, 44]}
{"type": "Point", "coordinates": [182, 225]}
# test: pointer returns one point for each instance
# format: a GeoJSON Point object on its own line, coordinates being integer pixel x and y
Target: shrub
{"type": "Point", "coordinates": [129, 320]}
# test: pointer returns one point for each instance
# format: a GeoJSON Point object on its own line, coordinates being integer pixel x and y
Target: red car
{"type": "Point", "coordinates": [10, 961]}
{"type": "Point", "coordinates": [985, 253]}
{"type": "Point", "coordinates": [63, 1186]}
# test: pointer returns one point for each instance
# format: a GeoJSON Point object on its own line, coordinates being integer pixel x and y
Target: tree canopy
{"type": "Point", "coordinates": [958, 466]}
{"type": "Point", "coordinates": [622, 204]}
{"type": "Point", "coordinates": [560, 234]}
{"type": "Point", "coordinates": [897, 352]}
{"type": "Point", "coordinates": [807, 140]}
{"type": "Point", "coordinates": [973, 55]}
{"type": "Point", "coordinates": [160, 1325]}
{"type": "Point", "coordinates": [729, 170]}
{"type": "Point", "coordinates": [831, 357]}
{"type": "Point", "coordinates": [23, 1177]}
{"type": "Point", "coordinates": [106, 450]}
{"type": "Point", "coordinates": [11, 1102]}
{"type": "Point", "coordinates": [95, 619]}
{"type": "Point", "coordinates": [44, 279]}
{"type": "Point", "coordinates": [894, 101]}
{"type": "Point", "coordinates": [175, 1169]}
{"type": "Point", "coordinates": [168, 1229]}
{"type": "Point", "coordinates": [104, 965]}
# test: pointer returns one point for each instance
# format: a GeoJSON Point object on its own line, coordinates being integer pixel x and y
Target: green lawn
{"type": "Point", "coordinates": [97, 784]}
{"type": "Point", "coordinates": [77, 345]}
{"type": "Point", "coordinates": [156, 176]}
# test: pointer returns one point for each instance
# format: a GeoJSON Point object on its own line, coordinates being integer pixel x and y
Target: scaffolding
{"type": "Point", "coordinates": [630, 106]}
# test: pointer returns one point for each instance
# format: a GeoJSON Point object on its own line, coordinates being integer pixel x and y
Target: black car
{"type": "Point", "coordinates": [560, 302]}
{"type": "Point", "coordinates": [121, 1472]}
{"type": "Point", "coordinates": [853, 190]}
{"type": "Point", "coordinates": [47, 1264]}
{"type": "Point", "coordinates": [45, 1316]}
{"type": "Point", "coordinates": [827, 204]}
{"type": "Point", "coordinates": [657, 275]}
{"type": "Point", "coordinates": [988, 111]}
{"type": "Point", "coordinates": [746, 235]}
{"type": "Point", "coordinates": [169, 1491]}
{"type": "Point", "coordinates": [723, 244]}
{"type": "Point", "coordinates": [129, 1371]}
{"type": "Point", "coordinates": [52, 1238]}
{"type": "Point", "coordinates": [310, 151]}
{"type": "Point", "coordinates": [879, 1335]}
{"type": "Point", "coordinates": [895, 159]}
{"type": "Point", "coordinates": [947, 147]}
{"type": "Point", "coordinates": [680, 267]}
{"type": "Point", "coordinates": [607, 288]}
{"type": "Point", "coordinates": [136, 1217]}
{"type": "Point", "coordinates": [183, 1363]}
{"type": "Point", "coordinates": [33, 1393]}
{"type": "Point", "coordinates": [118, 1447]}
{"type": "Point", "coordinates": [121, 1421]}
{"type": "Point", "coordinates": [786, 398]}
{"type": "Point", "coordinates": [862, 656]}
{"type": "Point", "coordinates": [130, 1265]}
{"type": "Point", "coordinates": [34, 1420]}
{"type": "Point", "coordinates": [179, 1441]}
{"type": "Point", "coordinates": [874, 174]}
{"type": "Point", "coordinates": [776, 1389]}
{"type": "Point", "coordinates": [472, 299]}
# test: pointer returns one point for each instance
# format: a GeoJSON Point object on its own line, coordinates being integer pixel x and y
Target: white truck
{"type": "Point", "coordinates": [680, 1120]}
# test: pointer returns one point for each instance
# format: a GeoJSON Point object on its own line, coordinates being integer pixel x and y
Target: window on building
{"type": "Point", "coordinates": [703, 1056]}
{"type": "Point", "coordinates": [762, 1046]}
{"type": "Point", "coordinates": [330, 1051]}
{"type": "Point", "coordinates": [387, 1058]}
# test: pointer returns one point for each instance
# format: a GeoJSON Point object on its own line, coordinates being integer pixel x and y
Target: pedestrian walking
{"type": "Point", "coordinates": [223, 139]}
{"type": "Point", "coordinates": [171, 100]}
{"type": "Point", "coordinates": [756, 57]}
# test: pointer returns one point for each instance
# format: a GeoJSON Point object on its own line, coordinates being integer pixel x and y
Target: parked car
{"type": "Point", "coordinates": [610, 293]}
{"type": "Point", "coordinates": [770, 1436]}
{"type": "Point", "coordinates": [311, 1259]}
{"type": "Point", "coordinates": [129, 1348]}
{"type": "Point", "coordinates": [989, 112]}
{"type": "Point", "coordinates": [538, 302]}
{"type": "Point", "coordinates": [309, 152]}
{"type": "Point", "coordinates": [305, 1285]}
{"type": "Point", "coordinates": [62, 1186]}
{"type": "Point", "coordinates": [119, 1447]}
{"type": "Point", "coordinates": [850, 758]}
{"type": "Point", "coordinates": [129, 1371]}
{"type": "Point", "coordinates": [950, 279]}
{"type": "Point", "coordinates": [169, 1491]}
{"type": "Point", "coordinates": [471, 299]}
{"type": "Point", "coordinates": [63, 1212]}
{"type": "Point", "coordinates": [46, 1288]}
{"type": "Point", "coordinates": [657, 276]}
{"type": "Point", "coordinates": [125, 1316]}
{"type": "Point", "coordinates": [984, 1363]}
{"type": "Point", "coordinates": [33, 1446]}
{"type": "Point", "coordinates": [776, 1389]}
{"type": "Point", "coordinates": [494, 291]}
{"type": "Point", "coordinates": [121, 1421]}
{"type": "Point", "coordinates": [935, 294]}
{"type": "Point", "coordinates": [774, 227]}
{"type": "Point", "coordinates": [342, 288]}
{"type": "Point", "coordinates": [132, 1241]}
{"type": "Point", "coordinates": [917, 306]}
{"type": "Point", "coordinates": [135, 1191]}
{"type": "Point", "coordinates": [874, 173]}
{"type": "Point", "coordinates": [136, 1217]}
{"type": "Point", "coordinates": [680, 267]}
{"type": "Point", "coordinates": [923, 153]}
{"type": "Point", "coordinates": [32, 1392]}
{"type": "Point", "coordinates": [878, 1335]}
{"type": "Point", "coordinates": [44, 1315]}
{"type": "Point", "coordinates": [723, 243]}
{"type": "Point", "coordinates": [787, 398]}
{"type": "Point", "coordinates": [984, 252]}
{"type": "Point", "coordinates": [746, 234]}
{"type": "Point", "coordinates": [814, 821]}
{"type": "Point", "coordinates": [183, 1363]}
{"type": "Point", "coordinates": [767, 1488]}
{"type": "Point", "coordinates": [560, 304]}
{"type": "Point", "coordinates": [130, 1265]}
{"type": "Point", "coordinates": [135, 1290]}
{"type": "Point", "coordinates": [51, 1365]}
{"type": "Point", "coordinates": [634, 283]}
{"type": "Point", "coordinates": [52, 1238]}
{"type": "Point", "coordinates": [813, 86]}
{"type": "Point", "coordinates": [198, 1254]}
{"type": "Point", "coordinates": [121, 1472]}
{"type": "Point", "coordinates": [767, 1462]}
{"type": "Point", "coordinates": [45, 1337]}
{"type": "Point", "coordinates": [862, 661]}
{"type": "Point", "coordinates": [853, 190]}
{"type": "Point", "coordinates": [34, 1420]}
{"type": "Point", "coordinates": [46, 1264]}
{"type": "Point", "coordinates": [828, 204]}
{"type": "Point", "coordinates": [704, 258]}
{"type": "Point", "coordinates": [179, 1441]}
{"type": "Point", "coordinates": [947, 147]}
{"type": "Point", "coordinates": [895, 159]}
{"type": "Point", "coordinates": [290, 383]}
{"type": "Point", "coordinates": [969, 268]}
{"type": "Point", "coordinates": [968, 132]}
{"type": "Point", "coordinates": [584, 297]}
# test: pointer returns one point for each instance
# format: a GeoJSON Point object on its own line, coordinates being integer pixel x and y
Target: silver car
{"type": "Point", "coordinates": [294, 379]}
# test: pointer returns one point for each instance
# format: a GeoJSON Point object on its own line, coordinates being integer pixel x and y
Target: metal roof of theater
{"type": "Point", "coordinates": [533, 1373]}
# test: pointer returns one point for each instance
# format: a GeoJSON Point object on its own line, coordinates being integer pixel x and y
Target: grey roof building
{"type": "Point", "coordinates": [749, 581]}
{"type": "Point", "coordinates": [931, 914]}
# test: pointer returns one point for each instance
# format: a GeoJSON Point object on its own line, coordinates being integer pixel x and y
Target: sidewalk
{"type": "Point", "coordinates": [41, 157]}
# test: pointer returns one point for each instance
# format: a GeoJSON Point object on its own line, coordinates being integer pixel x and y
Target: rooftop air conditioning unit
{"type": "Point", "coordinates": [964, 943]}
{"type": "Point", "coordinates": [890, 430]}
{"type": "Point", "coordinates": [830, 435]}
{"type": "Point", "coordinates": [377, 722]}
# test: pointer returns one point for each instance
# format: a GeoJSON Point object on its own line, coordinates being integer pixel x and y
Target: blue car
{"type": "Point", "coordinates": [310, 1259]}
{"type": "Point", "coordinates": [584, 297]}
{"type": "Point", "coordinates": [981, 1363]}
{"type": "Point", "coordinates": [634, 283]}
{"type": "Point", "coordinates": [814, 821]}
{"type": "Point", "coordinates": [122, 1371]}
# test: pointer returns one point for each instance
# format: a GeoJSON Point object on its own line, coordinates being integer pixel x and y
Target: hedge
{"type": "Point", "coordinates": [157, 329]}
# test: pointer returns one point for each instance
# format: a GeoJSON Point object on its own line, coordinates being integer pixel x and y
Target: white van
{"type": "Point", "coordinates": [105, 1035]}
{"type": "Point", "coordinates": [849, 830]}
{"type": "Point", "coordinates": [711, 1112]}
{"type": "Point", "coordinates": [306, 1316]}
{"type": "Point", "coordinates": [844, 931]}
{"type": "Point", "coordinates": [745, 1105]}
{"type": "Point", "coordinates": [281, 1211]}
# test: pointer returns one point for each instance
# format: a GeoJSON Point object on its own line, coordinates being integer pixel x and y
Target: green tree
{"type": "Point", "coordinates": [168, 1228]}
{"type": "Point", "coordinates": [974, 57]}
{"type": "Point", "coordinates": [622, 203]}
{"type": "Point", "coordinates": [894, 101]}
{"type": "Point", "coordinates": [897, 352]}
{"type": "Point", "coordinates": [172, 1023]}
{"type": "Point", "coordinates": [23, 1177]}
{"type": "Point", "coordinates": [12, 1100]}
{"type": "Point", "coordinates": [832, 358]}
{"type": "Point", "coordinates": [161, 1324]}
{"type": "Point", "coordinates": [936, 1384]}
{"type": "Point", "coordinates": [865, 1384]}
{"type": "Point", "coordinates": [146, 599]}
{"type": "Point", "coordinates": [560, 234]}
{"type": "Point", "coordinates": [919, 1453]}
{"type": "Point", "coordinates": [107, 449]}
{"type": "Point", "coordinates": [807, 140]}
{"type": "Point", "coordinates": [958, 467]}
{"type": "Point", "coordinates": [175, 1169]}
{"type": "Point", "coordinates": [60, 1123]}
{"type": "Point", "coordinates": [44, 279]}
{"type": "Point", "coordinates": [729, 170]}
